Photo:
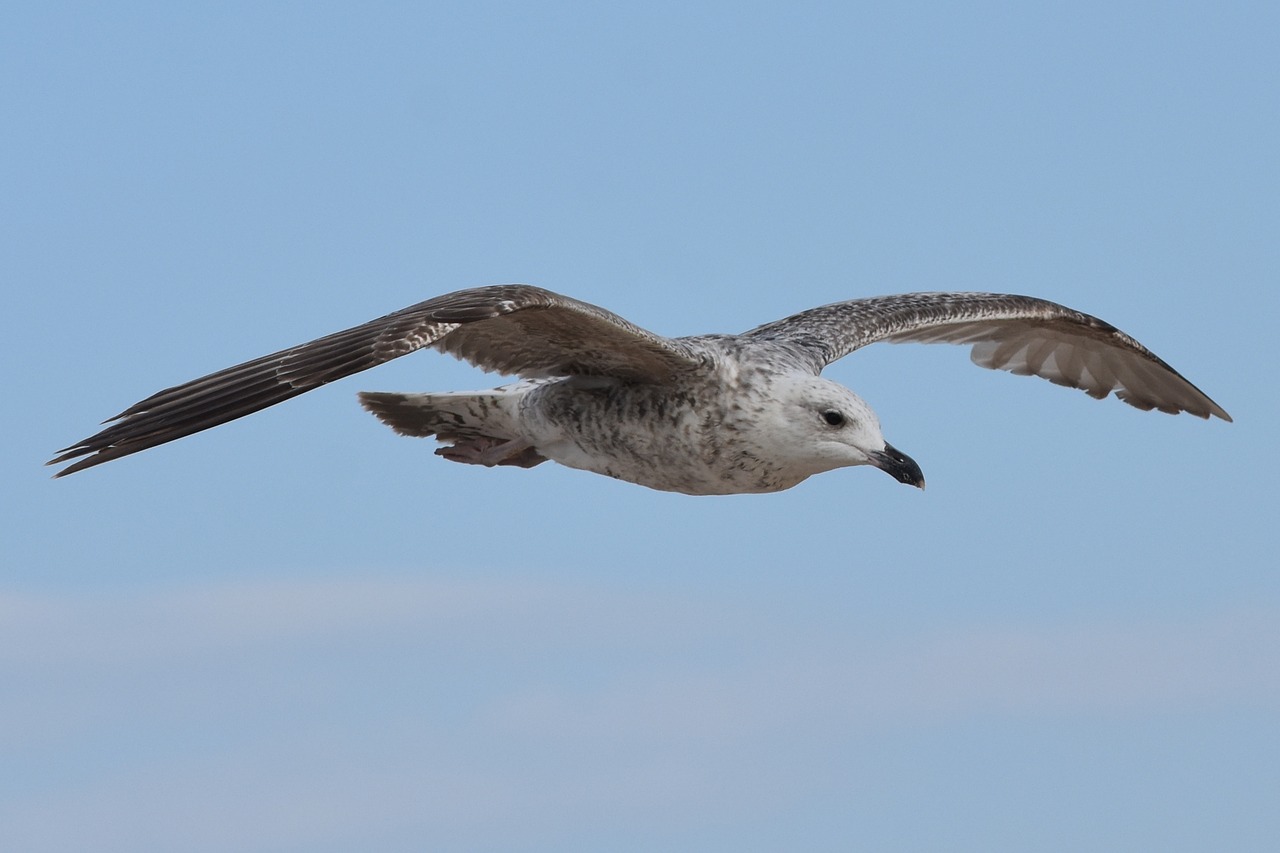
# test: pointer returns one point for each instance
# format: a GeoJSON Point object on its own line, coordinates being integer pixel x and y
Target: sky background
{"type": "Point", "coordinates": [300, 632]}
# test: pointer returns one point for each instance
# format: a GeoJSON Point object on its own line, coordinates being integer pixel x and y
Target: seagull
{"type": "Point", "coordinates": [704, 415]}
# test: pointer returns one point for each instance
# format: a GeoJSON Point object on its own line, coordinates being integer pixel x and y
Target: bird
{"type": "Point", "coordinates": [710, 414]}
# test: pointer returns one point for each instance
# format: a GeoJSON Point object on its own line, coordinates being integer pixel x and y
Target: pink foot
{"type": "Point", "coordinates": [491, 451]}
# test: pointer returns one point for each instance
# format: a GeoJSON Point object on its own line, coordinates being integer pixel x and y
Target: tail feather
{"type": "Point", "coordinates": [449, 417]}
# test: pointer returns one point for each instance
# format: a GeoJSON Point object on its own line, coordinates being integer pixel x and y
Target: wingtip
{"type": "Point", "coordinates": [62, 472]}
{"type": "Point", "coordinates": [57, 460]}
{"type": "Point", "coordinates": [67, 454]}
{"type": "Point", "coordinates": [1208, 412]}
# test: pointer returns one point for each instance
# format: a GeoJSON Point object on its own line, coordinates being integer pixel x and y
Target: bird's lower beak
{"type": "Point", "coordinates": [898, 465]}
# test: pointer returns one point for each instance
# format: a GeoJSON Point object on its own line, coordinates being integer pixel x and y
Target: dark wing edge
{"type": "Point", "coordinates": [515, 329]}
{"type": "Point", "coordinates": [1021, 334]}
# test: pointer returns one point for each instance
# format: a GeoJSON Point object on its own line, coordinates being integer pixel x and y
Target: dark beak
{"type": "Point", "coordinates": [899, 466]}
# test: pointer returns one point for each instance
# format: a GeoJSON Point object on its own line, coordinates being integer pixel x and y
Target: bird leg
{"type": "Point", "coordinates": [489, 452]}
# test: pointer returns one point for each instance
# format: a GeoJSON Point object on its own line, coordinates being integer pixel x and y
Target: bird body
{"type": "Point", "coordinates": [738, 423]}
{"type": "Point", "coordinates": [706, 414]}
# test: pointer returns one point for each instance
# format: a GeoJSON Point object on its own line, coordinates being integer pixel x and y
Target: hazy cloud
{"type": "Point", "coordinates": [522, 700]}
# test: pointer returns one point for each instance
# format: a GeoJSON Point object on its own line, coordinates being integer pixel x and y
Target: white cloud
{"type": "Point", "coordinates": [310, 709]}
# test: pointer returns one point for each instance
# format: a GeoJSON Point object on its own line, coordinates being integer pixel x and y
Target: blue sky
{"type": "Point", "coordinates": [301, 632]}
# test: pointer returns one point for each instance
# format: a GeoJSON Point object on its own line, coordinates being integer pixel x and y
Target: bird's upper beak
{"type": "Point", "coordinates": [898, 465]}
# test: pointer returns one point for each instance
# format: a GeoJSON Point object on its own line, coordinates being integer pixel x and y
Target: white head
{"type": "Point", "coordinates": [821, 425]}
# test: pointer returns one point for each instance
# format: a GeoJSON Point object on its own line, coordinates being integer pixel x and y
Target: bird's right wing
{"type": "Point", "coordinates": [1021, 334]}
{"type": "Point", "coordinates": [513, 329]}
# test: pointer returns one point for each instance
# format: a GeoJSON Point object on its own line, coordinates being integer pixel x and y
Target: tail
{"type": "Point", "coordinates": [449, 417]}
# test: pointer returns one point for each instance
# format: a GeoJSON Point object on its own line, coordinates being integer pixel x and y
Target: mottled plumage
{"type": "Point", "coordinates": [707, 414]}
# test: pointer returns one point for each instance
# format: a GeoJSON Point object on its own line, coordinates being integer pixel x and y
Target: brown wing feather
{"type": "Point", "coordinates": [1020, 334]}
{"type": "Point", "coordinates": [514, 329]}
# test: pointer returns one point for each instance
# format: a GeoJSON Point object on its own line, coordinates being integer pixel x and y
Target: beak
{"type": "Point", "coordinates": [898, 465]}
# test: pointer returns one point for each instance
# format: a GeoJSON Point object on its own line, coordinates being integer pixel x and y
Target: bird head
{"type": "Point", "coordinates": [824, 426]}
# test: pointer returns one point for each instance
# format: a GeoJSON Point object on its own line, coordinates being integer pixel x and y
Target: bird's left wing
{"type": "Point", "coordinates": [1020, 334]}
{"type": "Point", "coordinates": [514, 329]}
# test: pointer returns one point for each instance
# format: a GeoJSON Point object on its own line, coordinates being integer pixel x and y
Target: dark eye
{"type": "Point", "coordinates": [833, 417]}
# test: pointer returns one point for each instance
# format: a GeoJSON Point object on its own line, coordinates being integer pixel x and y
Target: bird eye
{"type": "Point", "coordinates": [833, 417]}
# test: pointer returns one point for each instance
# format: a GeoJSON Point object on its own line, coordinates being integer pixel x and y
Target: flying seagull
{"type": "Point", "coordinates": [703, 415]}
